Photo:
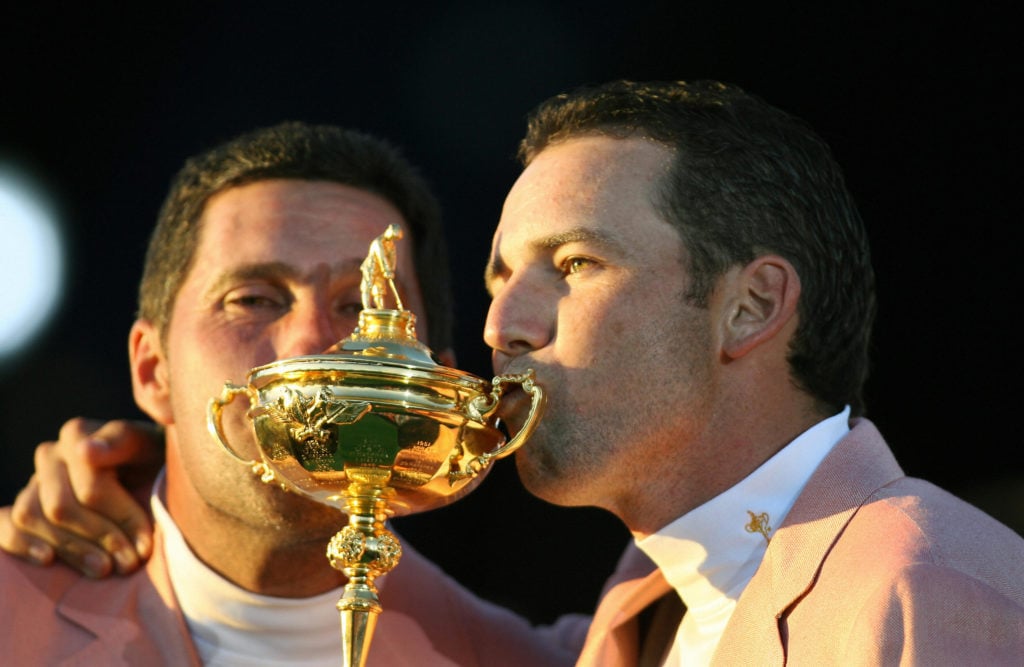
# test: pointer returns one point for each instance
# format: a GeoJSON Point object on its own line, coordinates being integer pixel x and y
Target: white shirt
{"type": "Point", "coordinates": [710, 554]}
{"type": "Point", "coordinates": [233, 627]}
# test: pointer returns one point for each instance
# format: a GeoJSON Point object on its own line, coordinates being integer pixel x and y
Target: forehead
{"type": "Point", "coordinates": [295, 222]}
{"type": "Point", "coordinates": [598, 183]}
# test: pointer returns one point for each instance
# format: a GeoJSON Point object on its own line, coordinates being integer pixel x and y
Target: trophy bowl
{"type": "Point", "coordinates": [377, 428]}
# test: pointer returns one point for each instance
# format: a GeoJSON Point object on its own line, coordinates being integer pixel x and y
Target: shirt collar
{"type": "Point", "coordinates": [712, 552]}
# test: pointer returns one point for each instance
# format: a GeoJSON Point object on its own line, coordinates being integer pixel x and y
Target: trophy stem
{"type": "Point", "coordinates": [363, 550]}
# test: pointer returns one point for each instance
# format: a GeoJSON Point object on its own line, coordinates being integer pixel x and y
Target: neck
{"type": "Point", "coordinates": [262, 563]}
{"type": "Point", "coordinates": [275, 546]}
{"type": "Point", "coordinates": [732, 445]}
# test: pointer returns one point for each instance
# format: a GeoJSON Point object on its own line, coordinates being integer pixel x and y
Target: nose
{"type": "Point", "coordinates": [308, 328]}
{"type": "Point", "coordinates": [518, 320]}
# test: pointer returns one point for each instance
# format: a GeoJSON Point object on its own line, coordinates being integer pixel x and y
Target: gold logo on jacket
{"type": "Point", "coordinates": [759, 524]}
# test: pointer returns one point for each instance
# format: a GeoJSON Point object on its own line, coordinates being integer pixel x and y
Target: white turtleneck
{"type": "Point", "coordinates": [233, 627]}
{"type": "Point", "coordinates": [710, 554]}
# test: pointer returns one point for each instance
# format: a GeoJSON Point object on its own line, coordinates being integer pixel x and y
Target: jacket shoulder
{"type": "Point", "coordinates": [33, 631]}
{"type": "Point", "coordinates": [917, 574]}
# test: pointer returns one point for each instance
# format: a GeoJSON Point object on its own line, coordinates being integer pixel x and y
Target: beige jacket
{"type": "Point", "coordinates": [870, 568]}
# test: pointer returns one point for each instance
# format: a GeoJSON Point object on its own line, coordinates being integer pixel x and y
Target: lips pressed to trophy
{"type": "Point", "coordinates": [375, 427]}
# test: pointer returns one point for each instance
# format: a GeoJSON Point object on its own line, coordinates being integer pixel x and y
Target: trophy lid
{"type": "Point", "coordinates": [383, 346]}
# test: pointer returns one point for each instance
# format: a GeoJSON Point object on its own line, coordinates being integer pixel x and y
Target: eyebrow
{"type": "Point", "coordinates": [497, 266]}
{"type": "Point", "coordinates": [274, 271]}
{"type": "Point", "coordinates": [576, 235]}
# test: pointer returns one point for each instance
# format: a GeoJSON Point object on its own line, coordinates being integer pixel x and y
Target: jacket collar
{"type": "Point", "coordinates": [134, 619]}
{"type": "Point", "coordinates": [858, 465]}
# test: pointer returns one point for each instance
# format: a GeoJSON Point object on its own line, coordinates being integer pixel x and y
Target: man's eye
{"type": "Point", "coordinates": [575, 264]}
{"type": "Point", "coordinates": [252, 300]}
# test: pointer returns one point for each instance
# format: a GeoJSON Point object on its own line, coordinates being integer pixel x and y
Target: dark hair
{"type": "Point", "coordinates": [747, 179]}
{"type": "Point", "coordinates": [294, 150]}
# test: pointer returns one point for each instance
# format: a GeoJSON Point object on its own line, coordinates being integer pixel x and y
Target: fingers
{"type": "Point", "coordinates": [82, 520]}
{"type": "Point", "coordinates": [129, 453]}
{"type": "Point", "coordinates": [81, 487]}
{"type": "Point", "coordinates": [110, 444]}
{"type": "Point", "coordinates": [106, 466]}
{"type": "Point", "coordinates": [25, 532]}
{"type": "Point", "coordinates": [21, 544]}
{"type": "Point", "coordinates": [76, 507]}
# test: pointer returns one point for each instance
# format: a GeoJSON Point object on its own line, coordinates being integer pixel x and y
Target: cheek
{"type": "Point", "coordinates": [619, 328]}
{"type": "Point", "coordinates": [198, 372]}
{"type": "Point", "coordinates": [225, 353]}
{"type": "Point", "coordinates": [589, 335]}
{"type": "Point", "coordinates": [194, 386]}
{"type": "Point", "coordinates": [202, 366]}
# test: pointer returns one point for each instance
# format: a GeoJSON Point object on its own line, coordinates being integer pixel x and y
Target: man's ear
{"type": "Point", "coordinates": [763, 301]}
{"type": "Point", "coordinates": [149, 369]}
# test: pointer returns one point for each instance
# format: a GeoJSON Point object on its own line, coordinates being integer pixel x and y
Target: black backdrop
{"type": "Point", "coordinates": [919, 103]}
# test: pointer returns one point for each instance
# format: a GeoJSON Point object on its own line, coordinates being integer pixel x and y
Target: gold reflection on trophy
{"type": "Point", "coordinates": [377, 428]}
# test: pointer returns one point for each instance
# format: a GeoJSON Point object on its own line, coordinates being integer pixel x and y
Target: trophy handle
{"type": "Point", "coordinates": [213, 419]}
{"type": "Point", "coordinates": [526, 380]}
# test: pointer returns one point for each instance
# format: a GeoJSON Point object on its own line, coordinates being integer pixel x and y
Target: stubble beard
{"type": "Point", "coordinates": [597, 453]}
{"type": "Point", "coordinates": [567, 452]}
{"type": "Point", "coordinates": [247, 505]}
{"type": "Point", "coordinates": [287, 516]}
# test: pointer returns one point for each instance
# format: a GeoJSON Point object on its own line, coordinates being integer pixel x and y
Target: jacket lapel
{"type": "Point", "coordinates": [613, 636]}
{"type": "Point", "coordinates": [858, 465]}
{"type": "Point", "coordinates": [135, 619]}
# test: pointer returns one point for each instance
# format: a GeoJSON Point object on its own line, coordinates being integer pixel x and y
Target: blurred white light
{"type": "Point", "coordinates": [31, 261]}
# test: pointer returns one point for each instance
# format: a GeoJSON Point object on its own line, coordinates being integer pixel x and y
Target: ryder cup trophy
{"type": "Point", "coordinates": [375, 427]}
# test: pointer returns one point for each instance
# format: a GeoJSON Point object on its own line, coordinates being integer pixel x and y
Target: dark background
{"type": "Point", "coordinates": [919, 102]}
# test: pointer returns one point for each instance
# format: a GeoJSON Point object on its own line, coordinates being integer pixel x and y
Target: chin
{"type": "Point", "coordinates": [287, 511]}
{"type": "Point", "coordinates": [541, 480]}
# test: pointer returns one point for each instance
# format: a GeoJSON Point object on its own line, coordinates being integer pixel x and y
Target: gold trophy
{"type": "Point", "coordinates": [375, 427]}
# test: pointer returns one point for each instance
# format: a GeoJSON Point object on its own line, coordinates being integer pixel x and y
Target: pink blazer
{"type": "Point", "coordinates": [869, 568]}
{"type": "Point", "coordinates": [53, 616]}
